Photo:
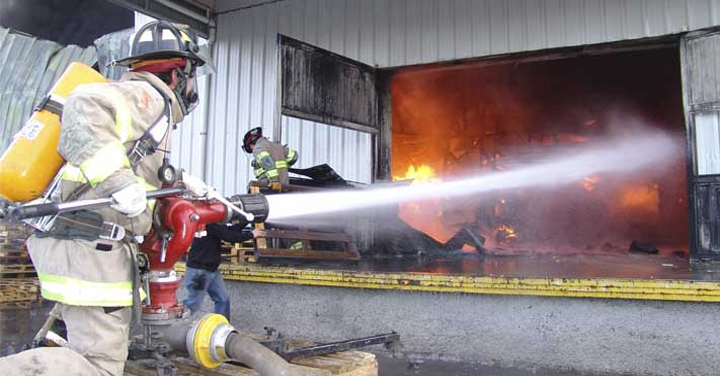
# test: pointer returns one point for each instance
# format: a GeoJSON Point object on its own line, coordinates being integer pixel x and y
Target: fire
{"type": "Point", "coordinates": [589, 183]}
{"type": "Point", "coordinates": [421, 175]}
{"type": "Point", "coordinates": [468, 248]}
{"type": "Point", "coordinates": [452, 124]}
{"type": "Point", "coordinates": [425, 215]}
{"type": "Point", "coordinates": [573, 138]}
{"type": "Point", "coordinates": [505, 233]}
{"type": "Point", "coordinates": [644, 198]}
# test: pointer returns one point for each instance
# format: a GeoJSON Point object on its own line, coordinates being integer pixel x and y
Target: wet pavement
{"type": "Point", "coordinates": [18, 326]}
{"type": "Point", "coordinates": [568, 265]}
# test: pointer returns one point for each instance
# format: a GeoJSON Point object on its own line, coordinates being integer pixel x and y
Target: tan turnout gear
{"type": "Point", "coordinates": [48, 361]}
{"type": "Point", "coordinates": [100, 123]}
{"type": "Point", "coordinates": [104, 127]}
{"type": "Point", "coordinates": [98, 346]}
{"type": "Point", "coordinates": [271, 161]}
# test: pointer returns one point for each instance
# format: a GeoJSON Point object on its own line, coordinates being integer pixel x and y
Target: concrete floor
{"type": "Point", "coordinates": [389, 366]}
{"type": "Point", "coordinates": [595, 336]}
{"type": "Point", "coordinates": [18, 326]}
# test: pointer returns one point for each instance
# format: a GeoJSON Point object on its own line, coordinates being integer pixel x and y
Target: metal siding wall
{"type": "Point", "coordinates": [703, 75]}
{"type": "Point", "coordinates": [394, 33]}
{"type": "Point", "coordinates": [29, 67]}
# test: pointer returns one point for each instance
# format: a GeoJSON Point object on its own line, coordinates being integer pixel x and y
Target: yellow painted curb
{"type": "Point", "coordinates": [672, 290]}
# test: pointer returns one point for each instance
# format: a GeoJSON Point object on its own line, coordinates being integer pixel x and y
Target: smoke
{"type": "Point", "coordinates": [624, 152]}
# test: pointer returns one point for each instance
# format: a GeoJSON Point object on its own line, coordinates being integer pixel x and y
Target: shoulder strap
{"type": "Point", "coordinates": [147, 143]}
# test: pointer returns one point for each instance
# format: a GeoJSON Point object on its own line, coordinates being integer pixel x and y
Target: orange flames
{"type": "Point", "coordinates": [450, 124]}
{"type": "Point", "coordinates": [641, 198]}
{"type": "Point", "coordinates": [505, 234]}
{"type": "Point", "coordinates": [421, 175]}
{"type": "Point", "coordinates": [425, 215]}
{"type": "Point", "coordinates": [572, 138]}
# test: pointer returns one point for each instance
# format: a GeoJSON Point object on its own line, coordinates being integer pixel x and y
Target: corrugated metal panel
{"type": "Point", "coordinates": [707, 205]}
{"type": "Point", "coordinates": [195, 14]}
{"type": "Point", "coordinates": [401, 32]}
{"type": "Point", "coordinates": [188, 143]}
{"type": "Point", "coordinates": [392, 33]}
{"type": "Point", "coordinates": [347, 151]}
{"type": "Point", "coordinates": [111, 47]}
{"type": "Point", "coordinates": [28, 69]}
{"type": "Point", "coordinates": [701, 84]}
{"type": "Point", "coordinates": [702, 69]}
{"type": "Point", "coordinates": [707, 142]}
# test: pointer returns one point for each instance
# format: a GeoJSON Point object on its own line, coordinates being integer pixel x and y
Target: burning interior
{"type": "Point", "coordinates": [476, 118]}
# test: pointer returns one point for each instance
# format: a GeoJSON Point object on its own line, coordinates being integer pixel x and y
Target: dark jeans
{"type": "Point", "coordinates": [197, 282]}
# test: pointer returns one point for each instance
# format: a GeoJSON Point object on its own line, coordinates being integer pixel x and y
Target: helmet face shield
{"type": "Point", "coordinates": [191, 97]}
{"type": "Point", "coordinates": [209, 67]}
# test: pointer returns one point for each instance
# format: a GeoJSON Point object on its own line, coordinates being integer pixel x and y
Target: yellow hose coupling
{"type": "Point", "coordinates": [206, 339]}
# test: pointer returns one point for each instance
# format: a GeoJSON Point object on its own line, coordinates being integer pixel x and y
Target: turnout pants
{"type": "Point", "coordinates": [98, 346]}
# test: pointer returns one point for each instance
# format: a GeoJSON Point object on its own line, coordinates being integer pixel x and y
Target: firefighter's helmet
{"type": "Point", "coordinates": [161, 47]}
{"type": "Point", "coordinates": [161, 40]}
{"type": "Point", "coordinates": [251, 138]}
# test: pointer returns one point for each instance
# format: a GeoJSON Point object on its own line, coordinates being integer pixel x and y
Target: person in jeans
{"type": "Point", "coordinates": [201, 272]}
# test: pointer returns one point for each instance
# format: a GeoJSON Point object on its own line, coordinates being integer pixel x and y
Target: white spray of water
{"type": "Point", "coordinates": [624, 154]}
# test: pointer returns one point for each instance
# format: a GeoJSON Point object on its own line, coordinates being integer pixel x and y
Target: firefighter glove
{"type": "Point", "coordinates": [130, 200]}
{"type": "Point", "coordinates": [196, 186]}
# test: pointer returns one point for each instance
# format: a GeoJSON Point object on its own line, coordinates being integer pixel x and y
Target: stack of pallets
{"type": "Point", "coordinates": [238, 253]}
{"type": "Point", "coordinates": [18, 280]}
{"type": "Point", "coordinates": [19, 292]}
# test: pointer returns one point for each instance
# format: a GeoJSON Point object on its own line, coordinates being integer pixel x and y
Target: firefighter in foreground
{"type": "Point", "coordinates": [270, 159]}
{"type": "Point", "coordinates": [105, 131]}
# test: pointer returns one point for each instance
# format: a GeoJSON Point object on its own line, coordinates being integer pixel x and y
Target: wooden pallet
{"type": "Point", "coordinates": [348, 363]}
{"type": "Point", "coordinates": [12, 244]}
{"type": "Point", "coordinates": [13, 251]}
{"type": "Point", "coordinates": [25, 283]}
{"type": "Point", "coordinates": [239, 253]}
{"type": "Point", "coordinates": [15, 260]}
{"type": "Point", "coordinates": [17, 270]}
{"type": "Point", "coordinates": [22, 305]}
{"type": "Point", "coordinates": [19, 290]}
{"type": "Point", "coordinates": [7, 259]}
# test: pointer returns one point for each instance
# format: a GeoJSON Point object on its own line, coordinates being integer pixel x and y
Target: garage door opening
{"type": "Point", "coordinates": [471, 119]}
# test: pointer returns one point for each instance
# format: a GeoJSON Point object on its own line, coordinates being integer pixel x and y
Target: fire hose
{"type": "Point", "coordinates": [211, 340]}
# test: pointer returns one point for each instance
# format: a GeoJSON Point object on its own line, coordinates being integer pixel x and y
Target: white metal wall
{"type": "Point", "coordinates": [393, 33]}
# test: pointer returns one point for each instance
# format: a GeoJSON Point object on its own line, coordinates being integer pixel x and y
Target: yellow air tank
{"type": "Point", "coordinates": [31, 161]}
